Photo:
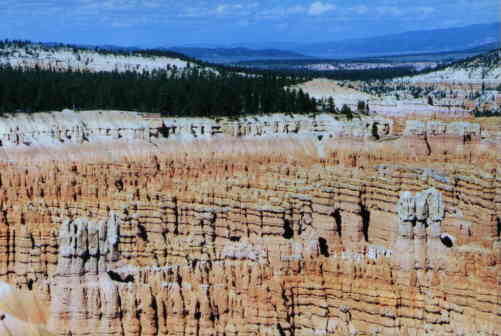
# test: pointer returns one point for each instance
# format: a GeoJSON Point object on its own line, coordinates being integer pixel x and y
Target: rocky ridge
{"type": "Point", "coordinates": [391, 103]}
{"type": "Point", "coordinates": [69, 127]}
{"type": "Point", "coordinates": [485, 68]}
{"type": "Point", "coordinates": [55, 129]}
{"type": "Point", "coordinates": [64, 58]}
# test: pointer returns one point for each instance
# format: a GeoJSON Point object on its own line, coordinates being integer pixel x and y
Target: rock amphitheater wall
{"type": "Point", "coordinates": [372, 237]}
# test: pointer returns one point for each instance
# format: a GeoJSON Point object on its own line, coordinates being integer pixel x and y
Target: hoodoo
{"type": "Point", "coordinates": [261, 235]}
{"type": "Point", "coordinates": [181, 198]}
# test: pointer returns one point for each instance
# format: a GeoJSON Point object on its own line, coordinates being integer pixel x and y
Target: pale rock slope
{"type": "Point", "coordinates": [55, 129]}
{"type": "Point", "coordinates": [64, 58]}
{"type": "Point", "coordinates": [385, 105]}
{"type": "Point", "coordinates": [322, 88]}
{"type": "Point", "coordinates": [481, 69]}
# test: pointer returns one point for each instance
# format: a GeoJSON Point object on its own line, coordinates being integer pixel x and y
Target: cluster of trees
{"type": "Point", "coordinates": [191, 93]}
{"type": "Point", "coordinates": [356, 75]}
{"type": "Point", "coordinates": [328, 105]}
{"type": "Point", "coordinates": [495, 112]}
{"type": "Point", "coordinates": [299, 68]}
{"type": "Point", "coordinates": [405, 91]}
{"type": "Point", "coordinates": [365, 75]}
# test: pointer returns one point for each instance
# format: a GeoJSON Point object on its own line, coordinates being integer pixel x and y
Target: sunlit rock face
{"type": "Point", "coordinates": [56, 129]}
{"type": "Point", "coordinates": [257, 236]}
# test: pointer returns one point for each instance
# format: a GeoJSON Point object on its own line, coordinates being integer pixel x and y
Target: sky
{"type": "Point", "coordinates": [165, 23]}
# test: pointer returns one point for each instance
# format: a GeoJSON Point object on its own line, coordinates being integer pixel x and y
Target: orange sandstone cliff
{"type": "Point", "coordinates": [375, 232]}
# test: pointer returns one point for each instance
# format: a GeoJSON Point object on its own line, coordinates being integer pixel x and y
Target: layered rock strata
{"type": "Point", "coordinates": [60, 129]}
{"type": "Point", "coordinates": [258, 243]}
{"type": "Point", "coordinates": [69, 127]}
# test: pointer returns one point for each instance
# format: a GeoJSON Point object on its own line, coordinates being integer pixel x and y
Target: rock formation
{"type": "Point", "coordinates": [69, 127]}
{"type": "Point", "coordinates": [62, 58]}
{"type": "Point", "coordinates": [21, 312]}
{"type": "Point", "coordinates": [204, 239]}
{"type": "Point", "coordinates": [419, 231]}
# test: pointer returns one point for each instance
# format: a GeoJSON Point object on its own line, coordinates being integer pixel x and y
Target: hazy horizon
{"type": "Point", "coordinates": [156, 23]}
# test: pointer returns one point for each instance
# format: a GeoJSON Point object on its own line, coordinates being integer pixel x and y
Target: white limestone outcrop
{"type": "Point", "coordinates": [69, 127]}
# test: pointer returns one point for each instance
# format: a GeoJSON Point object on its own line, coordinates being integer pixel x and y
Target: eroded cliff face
{"type": "Point", "coordinates": [55, 129]}
{"type": "Point", "coordinates": [247, 240]}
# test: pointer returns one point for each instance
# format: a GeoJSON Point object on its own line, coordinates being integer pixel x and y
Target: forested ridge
{"type": "Point", "coordinates": [341, 75]}
{"type": "Point", "coordinates": [194, 92]}
{"type": "Point", "coordinates": [116, 51]}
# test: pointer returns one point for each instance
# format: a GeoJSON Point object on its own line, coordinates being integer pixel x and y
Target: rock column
{"type": "Point", "coordinates": [418, 246]}
{"type": "Point", "coordinates": [404, 248]}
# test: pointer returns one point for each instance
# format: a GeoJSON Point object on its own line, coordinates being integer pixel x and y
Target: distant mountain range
{"type": "Point", "coordinates": [423, 41]}
{"type": "Point", "coordinates": [441, 57]}
{"type": "Point", "coordinates": [484, 47]}
{"type": "Point", "coordinates": [238, 54]}
{"type": "Point", "coordinates": [461, 41]}
{"type": "Point", "coordinates": [483, 36]}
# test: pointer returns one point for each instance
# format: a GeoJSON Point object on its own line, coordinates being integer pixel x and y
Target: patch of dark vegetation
{"type": "Point", "coordinates": [191, 92]}
{"type": "Point", "coordinates": [298, 67]}
{"type": "Point", "coordinates": [374, 131]}
{"type": "Point", "coordinates": [117, 277]}
{"type": "Point", "coordinates": [119, 185]}
{"type": "Point", "coordinates": [482, 113]}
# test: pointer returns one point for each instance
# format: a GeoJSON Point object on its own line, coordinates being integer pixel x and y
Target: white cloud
{"type": "Point", "coordinates": [235, 9]}
{"type": "Point", "coordinates": [279, 13]}
{"type": "Point", "coordinates": [122, 24]}
{"type": "Point", "coordinates": [319, 8]}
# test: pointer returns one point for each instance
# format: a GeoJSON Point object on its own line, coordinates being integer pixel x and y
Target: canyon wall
{"type": "Point", "coordinates": [374, 236]}
{"type": "Point", "coordinates": [70, 127]}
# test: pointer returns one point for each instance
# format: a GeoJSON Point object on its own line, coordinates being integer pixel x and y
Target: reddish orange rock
{"type": "Point", "coordinates": [260, 238]}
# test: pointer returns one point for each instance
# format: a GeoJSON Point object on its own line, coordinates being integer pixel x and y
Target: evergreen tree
{"type": "Point", "coordinates": [346, 110]}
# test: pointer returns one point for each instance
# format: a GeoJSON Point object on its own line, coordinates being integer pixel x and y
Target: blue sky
{"type": "Point", "coordinates": [152, 23]}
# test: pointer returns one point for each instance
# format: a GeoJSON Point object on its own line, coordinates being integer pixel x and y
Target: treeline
{"type": "Point", "coordinates": [368, 74]}
{"type": "Point", "coordinates": [189, 93]}
{"type": "Point", "coordinates": [479, 113]}
{"type": "Point", "coordinates": [353, 75]}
